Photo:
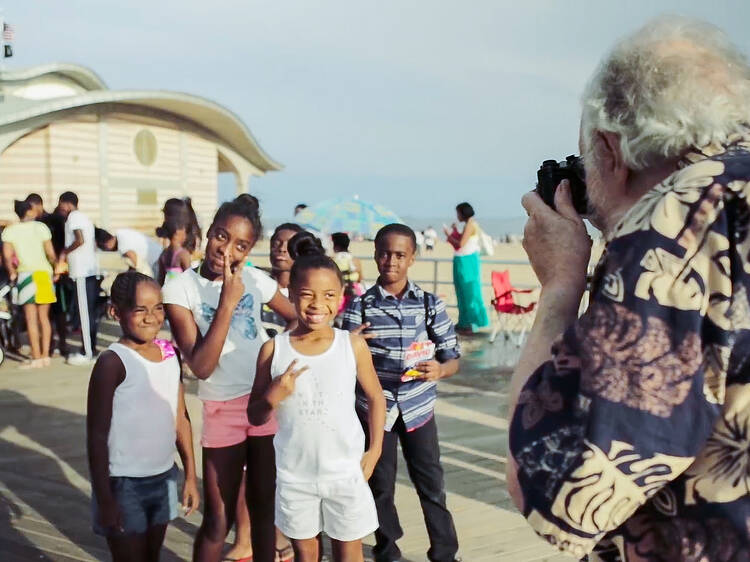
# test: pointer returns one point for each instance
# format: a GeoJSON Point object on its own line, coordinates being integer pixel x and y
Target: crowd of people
{"type": "Point", "coordinates": [301, 419]}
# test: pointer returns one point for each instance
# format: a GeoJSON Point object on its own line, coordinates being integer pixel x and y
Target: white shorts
{"type": "Point", "coordinates": [343, 509]}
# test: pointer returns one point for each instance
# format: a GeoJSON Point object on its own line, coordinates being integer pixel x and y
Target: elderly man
{"type": "Point", "coordinates": [630, 426]}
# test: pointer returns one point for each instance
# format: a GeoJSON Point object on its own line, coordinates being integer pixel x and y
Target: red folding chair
{"type": "Point", "coordinates": [511, 317]}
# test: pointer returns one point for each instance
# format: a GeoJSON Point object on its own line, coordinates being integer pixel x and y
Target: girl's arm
{"type": "Point", "coordinates": [202, 352]}
{"type": "Point", "coordinates": [267, 394]}
{"type": "Point", "coordinates": [190, 495]}
{"type": "Point", "coordinates": [368, 381]}
{"type": "Point", "coordinates": [258, 408]}
{"type": "Point", "coordinates": [280, 304]}
{"type": "Point", "coordinates": [49, 251]}
{"type": "Point", "coordinates": [108, 374]}
{"type": "Point", "coordinates": [185, 260]}
{"type": "Point", "coordinates": [8, 254]}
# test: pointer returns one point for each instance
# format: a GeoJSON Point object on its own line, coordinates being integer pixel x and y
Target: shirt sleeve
{"type": "Point", "coordinates": [352, 316]}
{"type": "Point", "coordinates": [267, 286]}
{"type": "Point", "coordinates": [74, 221]}
{"type": "Point", "coordinates": [7, 235]}
{"type": "Point", "coordinates": [636, 385]}
{"type": "Point", "coordinates": [175, 291]}
{"type": "Point", "coordinates": [43, 232]}
{"type": "Point", "coordinates": [442, 333]}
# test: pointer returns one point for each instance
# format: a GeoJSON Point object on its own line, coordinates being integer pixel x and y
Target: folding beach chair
{"type": "Point", "coordinates": [511, 317]}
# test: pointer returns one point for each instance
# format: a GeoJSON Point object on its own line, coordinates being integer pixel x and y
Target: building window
{"type": "Point", "coordinates": [144, 147]}
{"type": "Point", "coordinates": [146, 197]}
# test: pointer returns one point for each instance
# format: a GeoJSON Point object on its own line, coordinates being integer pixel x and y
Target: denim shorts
{"type": "Point", "coordinates": [144, 502]}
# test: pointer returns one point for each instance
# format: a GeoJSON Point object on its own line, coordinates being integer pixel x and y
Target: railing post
{"type": "Point", "coordinates": [435, 277]}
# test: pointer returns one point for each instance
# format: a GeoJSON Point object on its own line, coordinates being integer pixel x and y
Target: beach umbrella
{"type": "Point", "coordinates": [347, 214]}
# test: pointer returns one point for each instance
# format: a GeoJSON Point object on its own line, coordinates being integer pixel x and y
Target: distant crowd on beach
{"type": "Point", "coordinates": [309, 379]}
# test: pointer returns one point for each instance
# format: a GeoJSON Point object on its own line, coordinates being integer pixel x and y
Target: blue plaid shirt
{"type": "Point", "coordinates": [397, 324]}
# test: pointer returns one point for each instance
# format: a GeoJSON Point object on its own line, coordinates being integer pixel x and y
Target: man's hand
{"type": "Point", "coordinates": [283, 386]}
{"type": "Point", "coordinates": [556, 242]}
{"type": "Point", "coordinates": [368, 462]}
{"type": "Point", "coordinates": [191, 498]}
{"type": "Point", "coordinates": [431, 370]}
{"type": "Point", "coordinates": [232, 287]}
{"type": "Point", "coordinates": [361, 328]}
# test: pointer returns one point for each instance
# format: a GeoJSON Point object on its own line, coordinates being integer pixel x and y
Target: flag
{"type": "Point", "coordinates": [7, 32]}
{"type": "Point", "coordinates": [8, 51]}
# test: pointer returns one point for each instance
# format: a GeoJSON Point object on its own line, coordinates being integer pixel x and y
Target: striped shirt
{"type": "Point", "coordinates": [397, 324]}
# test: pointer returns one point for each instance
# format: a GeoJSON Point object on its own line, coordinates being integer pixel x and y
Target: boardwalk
{"type": "Point", "coordinates": [45, 493]}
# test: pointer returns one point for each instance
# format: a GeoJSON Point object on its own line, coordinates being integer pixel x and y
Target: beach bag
{"type": "Point", "coordinates": [486, 244]}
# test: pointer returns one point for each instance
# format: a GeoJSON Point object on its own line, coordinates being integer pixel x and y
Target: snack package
{"type": "Point", "coordinates": [417, 352]}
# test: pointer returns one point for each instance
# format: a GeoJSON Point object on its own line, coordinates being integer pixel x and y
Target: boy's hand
{"type": "Point", "coordinates": [232, 287]}
{"type": "Point", "coordinates": [368, 462]}
{"type": "Point", "coordinates": [110, 516]}
{"type": "Point", "coordinates": [431, 370]}
{"type": "Point", "coordinates": [361, 328]}
{"type": "Point", "coordinates": [283, 386]}
{"type": "Point", "coordinates": [191, 498]}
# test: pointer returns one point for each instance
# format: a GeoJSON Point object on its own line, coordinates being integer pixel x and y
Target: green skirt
{"type": "Point", "coordinates": [467, 278]}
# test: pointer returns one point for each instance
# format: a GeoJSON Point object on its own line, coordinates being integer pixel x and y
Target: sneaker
{"type": "Point", "coordinates": [78, 359]}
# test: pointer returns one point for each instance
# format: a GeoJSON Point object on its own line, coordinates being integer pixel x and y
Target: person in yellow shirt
{"type": "Point", "coordinates": [28, 256]}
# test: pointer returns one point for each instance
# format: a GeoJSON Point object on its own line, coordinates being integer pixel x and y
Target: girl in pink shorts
{"type": "Point", "coordinates": [214, 313]}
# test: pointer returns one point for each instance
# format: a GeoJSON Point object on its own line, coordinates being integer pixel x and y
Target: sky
{"type": "Point", "coordinates": [415, 104]}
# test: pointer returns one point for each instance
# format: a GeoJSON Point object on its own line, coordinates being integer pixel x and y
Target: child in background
{"type": "Point", "coordinates": [214, 314]}
{"type": "Point", "coordinates": [136, 414]}
{"type": "Point", "coordinates": [413, 345]}
{"type": "Point", "coordinates": [308, 376]}
{"type": "Point", "coordinates": [281, 266]}
{"type": "Point", "coordinates": [350, 267]}
{"type": "Point", "coordinates": [176, 257]}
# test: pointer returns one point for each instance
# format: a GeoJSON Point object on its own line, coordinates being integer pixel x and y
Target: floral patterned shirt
{"type": "Point", "coordinates": [633, 443]}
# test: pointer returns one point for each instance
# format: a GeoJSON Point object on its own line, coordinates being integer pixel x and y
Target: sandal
{"type": "Point", "coordinates": [33, 364]}
{"type": "Point", "coordinates": [285, 554]}
{"type": "Point", "coordinates": [245, 559]}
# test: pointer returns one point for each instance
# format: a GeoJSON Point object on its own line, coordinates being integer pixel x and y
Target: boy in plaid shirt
{"type": "Point", "coordinates": [413, 344]}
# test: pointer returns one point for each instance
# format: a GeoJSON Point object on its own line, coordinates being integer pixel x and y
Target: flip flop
{"type": "Point", "coordinates": [246, 559]}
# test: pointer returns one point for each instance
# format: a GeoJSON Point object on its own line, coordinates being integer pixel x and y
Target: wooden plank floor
{"type": "Point", "coordinates": [45, 492]}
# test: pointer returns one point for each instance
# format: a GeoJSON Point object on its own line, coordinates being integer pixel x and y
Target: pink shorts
{"type": "Point", "coordinates": [225, 423]}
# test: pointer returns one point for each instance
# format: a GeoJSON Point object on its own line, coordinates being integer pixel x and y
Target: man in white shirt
{"type": "Point", "coordinates": [140, 251]}
{"type": "Point", "coordinates": [80, 254]}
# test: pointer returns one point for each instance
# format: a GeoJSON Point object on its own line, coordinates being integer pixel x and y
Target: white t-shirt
{"type": "Point", "coordinates": [319, 438]}
{"type": "Point", "coordinates": [235, 373]}
{"type": "Point", "coordinates": [147, 249]}
{"type": "Point", "coordinates": [82, 260]}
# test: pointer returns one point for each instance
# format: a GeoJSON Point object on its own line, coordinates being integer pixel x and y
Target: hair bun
{"type": "Point", "coordinates": [305, 244]}
{"type": "Point", "coordinates": [248, 201]}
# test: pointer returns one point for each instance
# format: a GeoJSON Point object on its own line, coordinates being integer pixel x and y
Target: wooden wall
{"type": "Point", "coordinates": [80, 153]}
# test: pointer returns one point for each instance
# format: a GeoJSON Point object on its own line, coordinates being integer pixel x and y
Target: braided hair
{"type": "Point", "coordinates": [245, 206]}
{"type": "Point", "coordinates": [308, 253]}
{"type": "Point", "coordinates": [124, 287]}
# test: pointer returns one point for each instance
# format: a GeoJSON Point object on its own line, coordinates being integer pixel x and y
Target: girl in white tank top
{"type": "Point", "coordinates": [308, 377]}
{"type": "Point", "coordinates": [136, 421]}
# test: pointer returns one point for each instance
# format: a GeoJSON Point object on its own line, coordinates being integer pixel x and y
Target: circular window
{"type": "Point", "coordinates": [144, 146]}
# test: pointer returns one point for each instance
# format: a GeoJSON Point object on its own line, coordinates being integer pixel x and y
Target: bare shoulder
{"type": "Point", "coordinates": [109, 366]}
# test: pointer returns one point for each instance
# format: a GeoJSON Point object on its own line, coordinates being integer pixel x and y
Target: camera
{"type": "Point", "coordinates": [552, 172]}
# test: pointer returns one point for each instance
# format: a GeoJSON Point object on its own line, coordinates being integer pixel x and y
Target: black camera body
{"type": "Point", "coordinates": [552, 172]}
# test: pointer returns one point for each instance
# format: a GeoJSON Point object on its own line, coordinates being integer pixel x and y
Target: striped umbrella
{"type": "Point", "coordinates": [347, 214]}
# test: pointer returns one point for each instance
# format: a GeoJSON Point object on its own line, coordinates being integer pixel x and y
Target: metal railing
{"type": "Point", "coordinates": [435, 283]}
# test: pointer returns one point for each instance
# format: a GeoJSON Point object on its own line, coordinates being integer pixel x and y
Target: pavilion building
{"type": "Point", "coordinates": [124, 152]}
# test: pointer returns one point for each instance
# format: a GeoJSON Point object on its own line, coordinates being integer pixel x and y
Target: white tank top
{"type": "Point", "coordinates": [320, 437]}
{"type": "Point", "coordinates": [144, 412]}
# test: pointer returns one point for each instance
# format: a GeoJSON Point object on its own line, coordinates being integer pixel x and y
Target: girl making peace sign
{"type": "Point", "coordinates": [214, 314]}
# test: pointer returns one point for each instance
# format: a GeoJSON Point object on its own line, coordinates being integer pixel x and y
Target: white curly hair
{"type": "Point", "coordinates": [673, 84]}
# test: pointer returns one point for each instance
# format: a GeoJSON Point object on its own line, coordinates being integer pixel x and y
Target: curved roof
{"type": "Point", "coordinates": [86, 78]}
{"type": "Point", "coordinates": [216, 119]}
{"type": "Point", "coordinates": [209, 115]}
